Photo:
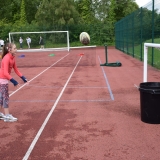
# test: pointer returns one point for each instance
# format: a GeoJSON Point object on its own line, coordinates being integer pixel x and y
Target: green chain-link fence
{"type": "Point", "coordinates": [142, 26]}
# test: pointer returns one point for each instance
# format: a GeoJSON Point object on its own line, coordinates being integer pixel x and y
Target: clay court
{"type": "Point", "coordinates": [75, 109]}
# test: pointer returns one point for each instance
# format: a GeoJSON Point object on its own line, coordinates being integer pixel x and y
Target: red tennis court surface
{"type": "Point", "coordinates": [76, 109]}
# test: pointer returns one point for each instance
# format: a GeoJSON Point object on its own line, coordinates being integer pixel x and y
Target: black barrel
{"type": "Point", "coordinates": [150, 102]}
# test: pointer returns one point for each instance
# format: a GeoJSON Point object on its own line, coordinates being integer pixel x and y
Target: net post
{"type": "Point", "coordinates": [114, 64]}
{"type": "Point", "coordinates": [106, 53]}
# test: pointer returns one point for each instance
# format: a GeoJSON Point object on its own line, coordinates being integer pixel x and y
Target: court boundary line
{"type": "Point", "coordinates": [48, 116]}
{"type": "Point", "coordinates": [106, 79]}
{"type": "Point", "coordinates": [72, 100]}
{"type": "Point", "coordinates": [68, 100]}
{"type": "Point", "coordinates": [91, 87]}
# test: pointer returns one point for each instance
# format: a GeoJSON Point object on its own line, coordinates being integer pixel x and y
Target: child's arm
{"type": "Point", "coordinates": [19, 73]}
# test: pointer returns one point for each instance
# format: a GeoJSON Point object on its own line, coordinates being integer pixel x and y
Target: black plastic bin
{"type": "Point", "coordinates": [150, 102]}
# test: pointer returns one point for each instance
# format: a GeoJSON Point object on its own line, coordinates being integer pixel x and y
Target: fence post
{"type": "Point", "coordinates": [152, 31]}
{"type": "Point", "coordinates": [141, 31]}
{"type": "Point", "coordinates": [133, 35]}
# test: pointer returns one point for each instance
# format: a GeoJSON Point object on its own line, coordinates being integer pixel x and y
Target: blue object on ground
{"type": "Point", "coordinates": [22, 56]}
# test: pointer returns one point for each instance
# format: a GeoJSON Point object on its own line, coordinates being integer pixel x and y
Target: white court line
{"type": "Point", "coordinates": [37, 76]}
{"type": "Point", "coordinates": [48, 116]}
{"type": "Point", "coordinates": [81, 87]}
{"type": "Point", "coordinates": [106, 79]}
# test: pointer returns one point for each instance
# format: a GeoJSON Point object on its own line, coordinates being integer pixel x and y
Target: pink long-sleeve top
{"type": "Point", "coordinates": [7, 63]}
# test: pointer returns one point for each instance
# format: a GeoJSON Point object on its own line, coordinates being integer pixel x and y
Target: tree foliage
{"type": "Point", "coordinates": [80, 15]}
{"type": "Point", "coordinates": [23, 19]}
{"type": "Point", "coordinates": [85, 9]}
{"type": "Point", "coordinates": [56, 12]}
{"type": "Point", "coordinates": [51, 12]}
{"type": "Point", "coordinates": [31, 9]}
{"type": "Point", "coordinates": [101, 9]}
{"type": "Point", "coordinates": [124, 7]}
{"type": "Point", "coordinates": [44, 12]}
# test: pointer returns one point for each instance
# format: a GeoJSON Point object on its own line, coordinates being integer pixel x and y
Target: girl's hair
{"type": "Point", "coordinates": [5, 49]}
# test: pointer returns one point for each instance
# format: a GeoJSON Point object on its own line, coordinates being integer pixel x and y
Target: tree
{"type": "Point", "coordinates": [8, 10]}
{"type": "Point", "coordinates": [31, 9]}
{"type": "Point", "coordinates": [44, 14]}
{"type": "Point", "coordinates": [57, 12]}
{"type": "Point", "coordinates": [124, 7]}
{"type": "Point", "coordinates": [23, 20]}
{"type": "Point", "coordinates": [11, 10]}
{"type": "Point", "coordinates": [111, 19]}
{"type": "Point", "coordinates": [100, 9]}
{"type": "Point", "coordinates": [85, 10]}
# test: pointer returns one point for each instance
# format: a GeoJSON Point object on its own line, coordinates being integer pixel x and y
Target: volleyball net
{"type": "Point", "coordinates": [56, 58]}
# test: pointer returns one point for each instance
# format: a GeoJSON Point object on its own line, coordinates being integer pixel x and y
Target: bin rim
{"type": "Point", "coordinates": [144, 83]}
{"type": "Point", "coordinates": [152, 91]}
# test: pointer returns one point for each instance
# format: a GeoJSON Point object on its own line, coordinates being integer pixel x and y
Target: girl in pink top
{"type": "Point", "coordinates": [7, 63]}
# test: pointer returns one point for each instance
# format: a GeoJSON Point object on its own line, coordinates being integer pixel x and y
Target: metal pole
{"type": "Point", "coordinates": [141, 31]}
{"type": "Point", "coordinates": [153, 12]}
{"type": "Point", "coordinates": [145, 63]}
{"type": "Point", "coordinates": [106, 53]}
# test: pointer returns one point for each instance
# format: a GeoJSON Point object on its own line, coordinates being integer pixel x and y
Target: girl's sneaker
{"type": "Point", "coordinates": [9, 118]}
{"type": "Point", "coordinates": [2, 116]}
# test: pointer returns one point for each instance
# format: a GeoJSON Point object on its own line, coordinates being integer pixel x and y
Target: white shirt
{"type": "Point", "coordinates": [28, 40]}
{"type": "Point", "coordinates": [2, 42]}
{"type": "Point", "coordinates": [20, 40]}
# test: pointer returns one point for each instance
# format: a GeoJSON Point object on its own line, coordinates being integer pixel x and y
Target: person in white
{"type": "Point", "coordinates": [1, 43]}
{"type": "Point", "coordinates": [21, 42]}
{"type": "Point", "coordinates": [28, 41]}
